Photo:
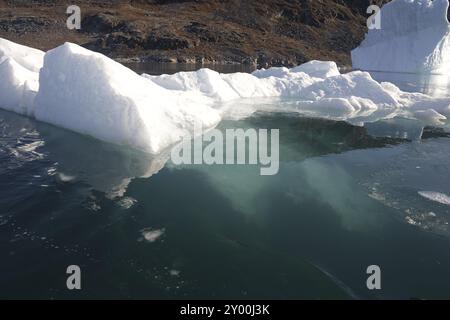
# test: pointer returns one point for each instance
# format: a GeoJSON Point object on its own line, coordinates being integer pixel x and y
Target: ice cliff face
{"type": "Point", "coordinates": [414, 37]}
{"type": "Point", "coordinates": [88, 93]}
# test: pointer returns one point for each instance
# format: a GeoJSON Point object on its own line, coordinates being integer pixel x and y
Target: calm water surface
{"type": "Point", "coordinates": [139, 227]}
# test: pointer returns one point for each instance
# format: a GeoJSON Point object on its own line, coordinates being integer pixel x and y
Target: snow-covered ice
{"type": "Point", "coordinates": [88, 93]}
{"type": "Point", "coordinates": [29, 58]}
{"type": "Point", "coordinates": [204, 81]}
{"type": "Point", "coordinates": [318, 69]}
{"type": "Point", "coordinates": [151, 235]}
{"type": "Point", "coordinates": [19, 74]}
{"type": "Point", "coordinates": [414, 37]}
{"type": "Point", "coordinates": [18, 87]}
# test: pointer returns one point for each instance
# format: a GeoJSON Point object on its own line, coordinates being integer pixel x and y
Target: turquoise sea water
{"type": "Point", "coordinates": [345, 198]}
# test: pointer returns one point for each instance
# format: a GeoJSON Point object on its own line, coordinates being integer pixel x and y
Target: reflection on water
{"type": "Point", "coordinates": [107, 168]}
{"type": "Point", "coordinates": [343, 200]}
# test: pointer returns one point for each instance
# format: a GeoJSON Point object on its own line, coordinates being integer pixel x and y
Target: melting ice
{"type": "Point", "coordinates": [87, 92]}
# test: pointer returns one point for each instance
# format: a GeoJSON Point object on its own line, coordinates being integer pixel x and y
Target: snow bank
{"type": "Point", "coordinates": [414, 37]}
{"type": "Point", "coordinates": [91, 94]}
{"type": "Point", "coordinates": [88, 93]}
{"type": "Point", "coordinates": [314, 69]}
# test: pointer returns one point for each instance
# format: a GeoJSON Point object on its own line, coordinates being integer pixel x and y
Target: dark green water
{"type": "Point", "coordinates": [345, 198]}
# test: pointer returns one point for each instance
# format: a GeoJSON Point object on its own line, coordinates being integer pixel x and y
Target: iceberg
{"type": "Point", "coordinates": [18, 87]}
{"type": "Point", "coordinates": [314, 68]}
{"type": "Point", "coordinates": [89, 93]}
{"type": "Point", "coordinates": [19, 74]}
{"type": "Point", "coordinates": [414, 37]}
{"type": "Point", "coordinates": [29, 58]}
{"type": "Point", "coordinates": [204, 81]}
{"type": "Point", "coordinates": [263, 83]}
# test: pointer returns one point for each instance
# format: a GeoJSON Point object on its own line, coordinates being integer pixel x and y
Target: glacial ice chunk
{"type": "Point", "coordinates": [18, 87]}
{"type": "Point", "coordinates": [19, 76]}
{"type": "Point", "coordinates": [29, 58]}
{"type": "Point", "coordinates": [205, 81]}
{"type": "Point", "coordinates": [318, 69]}
{"type": "Point", "coordinates": [436, 196]}
{"type": "Point", "coordinates": [88, 93]}
{"type": "Point", "coordinates": [414, 37]}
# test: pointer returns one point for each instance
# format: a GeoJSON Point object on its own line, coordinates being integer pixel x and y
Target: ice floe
{"type": "Point", "coordinates": [88, 93]}
{"type": "Point", "coordinates": [29, 58]}
{"type": "Point", "coordinates": [18, 87]}
{"type": "Point", "coordinates": [151, 235]}
{"type": "Point", "coordinates": [436, 196]}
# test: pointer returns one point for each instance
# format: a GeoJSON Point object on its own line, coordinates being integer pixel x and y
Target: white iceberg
{"type": "Point", "coordinates": [263, 83]}
{"type": "Point", "coordinates": [19, 74]}
{"type": "Point", "coordinates": [29, 58]}
{"type": "Point", "coordinates": [88, 93]}
{"type": "Point", "coordinates": [441, 198]}
{"type": "Point", "coordinates": [204, 81]}
{"type": "Point", "coordinates": [18, 87]}
{"type": "Point", "coordinates": [414, 37]}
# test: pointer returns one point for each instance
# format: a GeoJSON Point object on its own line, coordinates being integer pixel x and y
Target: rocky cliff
{"type": "Point", "coordinates": [262, 32]}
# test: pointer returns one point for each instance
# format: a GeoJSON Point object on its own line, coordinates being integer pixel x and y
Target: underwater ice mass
{"type": "Point", "coordinates": [89, 93]}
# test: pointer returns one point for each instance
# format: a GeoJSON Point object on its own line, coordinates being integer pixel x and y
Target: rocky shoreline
{"type": "Point", "coordinates": [260, 33]}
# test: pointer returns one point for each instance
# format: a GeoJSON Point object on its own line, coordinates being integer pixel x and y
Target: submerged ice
{"type": "Point", "coordinates": [414, 36]}
{"type": "Point", "coordinates": [86, 92]}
